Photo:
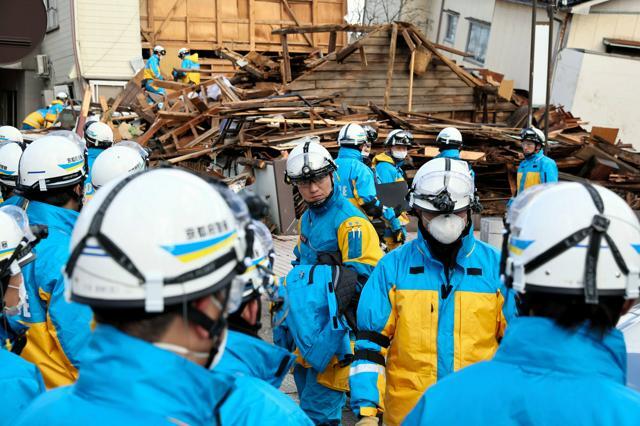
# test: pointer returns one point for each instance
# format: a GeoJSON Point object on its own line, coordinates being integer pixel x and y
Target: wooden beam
{"type": "Point", "coordinates": [452, 50]}
{"type": "Point", "coordinates": [286, 77]}
{"type": "Point", "coordinates": [219, 22]}
{"type": "Point", "coordinates": [84, 111]}
{"type": "Point", "coordinates": [252, 25]}
{"type": "Point", "coordinates": [407, 39]}
{"type": "Point", "coordinates": [315, 5]}
{"type": "Point", "coordinates": [171, 85]}
{"type": "Point", "coordinates": [301, 29]}
{"type": "Point", "coordinates": [363, 57]}
{"type": "Point", "coordinates": [392, 60]}
{"type": "Point", "coordinates": [411, 67]}
{"type": "Point", "coordinates": [151, 23]}
{"type": "Point", "coordinates": [332, 41]}
{"type": "Point", "coordinates": [173, 10]}
{"type": "Point", "coordinates": [285, 3]}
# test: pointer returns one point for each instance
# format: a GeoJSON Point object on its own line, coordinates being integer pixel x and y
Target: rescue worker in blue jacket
{"type": "Point", "coordinates": [387, 167]}
{"type": "Point", "coordinates": [98, 137]}
{"type": "Point", "coordinates": [152, 71]}
{"type": "Point", "coordinates": [55, 109]}
{"type": "Point", "coordinates": [253, 362]}
{"type": "Point", "coordinates": [449, 142]}
{"type": "Point", "coordinates": [356, 182]}
{"type": "Point", "coordinates": [332, 232]}
{"type": "Point", "coordinates": [50, 180]}
{"type": "Point", "coordinates": [160, 304]}
{"type": "Point", "coordinates": [189, 61]}
{"type": "Point", "coordinates": [432, 306]}
{"type": "Point", "coordinates": [563, 361]}
{"type": "Point", "coordinates": [20, 380]}
{"type": "Point", "coordinates": [536, 168]}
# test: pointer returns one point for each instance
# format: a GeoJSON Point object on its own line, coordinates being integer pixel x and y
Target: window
{"type": "Point", "coordinates": [452, 26]}
{"type": "Point", "coordinates": [52, 15]}
{"type": "Point", "coordinates": [478, 41]}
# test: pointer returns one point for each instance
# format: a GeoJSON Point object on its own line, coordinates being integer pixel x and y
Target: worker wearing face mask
{"type": "Point", "coordinates": [430, 307]}
{"type": "Point", "coordinates": [387, 168]}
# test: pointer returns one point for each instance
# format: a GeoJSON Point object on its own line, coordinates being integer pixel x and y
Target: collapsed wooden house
{"type": "Point", "coordinates": [394, 66]}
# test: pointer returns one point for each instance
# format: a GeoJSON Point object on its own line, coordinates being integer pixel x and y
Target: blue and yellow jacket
{"type": "Point", "coordinates": [414, 329]}
{"type": "Point", "coordinates": [354, 180]}
{"type": "Point", "coordinates": [542, 374]}
{"type": "Point", "coordinates": [20, 382]}
{"type": "Point", "coordinates": [128, 381]}
{"type": "Point", "coordinates": [189, 62]}
{"type": "Point", "coordinates": [52, 113]}
{"type": "Point", "coordinates": [89, 190]}
{"type": "Point", "coordinates": [338, 227]}
{"type": "Point", "coordinates": [36, 119]}
{"type": "Point", "coordinates": [535, 170]}
{"type": "Point", "coordinates": [246, 355]}
{"type": "Point", "coordinates": [152, 68]}
{"type": "Point", "coordinates": [386, 169]}
{"type": "Point", "coordinates": [57, 330]}
{"type": "Point", "coordinates": [258, 368]}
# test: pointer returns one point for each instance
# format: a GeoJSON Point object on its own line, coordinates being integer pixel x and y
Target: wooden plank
{"type": "Point", "coordinates": [285, 3]}
{"type": "Point", "coordinates": [144, 139]}
{"type": "Point", "coordinates": [332, 41]}
{"type": "Point", "coordinates": [607, 134]}
{"type": "Point", "coordinates": [411, 69]}
{"type": "Point", "coordinates": [392, 59]}
{"type": "Point", "coordinates": [363, 57]}
{"type": "Point", "coordinates": [432, 151]}
{"type": "Point", "coordinates": [171, 85]}
{"type": "Point", "coordinates": [452, 50]}
{"type": "Point", "coordinates": [84, 111]}
{"type": "Point", "coordinates": [252, 25]}
{"type": "Point", "coordinates": [302, 29]}
{"type": "Point", "coordinates": [286, 75]}
{"type": "Point", "coordinates": [103, 105]}
{"type": "Point", "coordinates": [206, 135]}
{"type": "Point", "coordinates": [219, 22]}
{"type": "Point", "coordinates": [505, 91]}
{"type": "Point", "coordinates": [407, 39]}
{"type": "Point", "coordinates": [177, 115]}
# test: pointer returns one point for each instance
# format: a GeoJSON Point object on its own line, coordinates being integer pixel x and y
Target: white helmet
{"type": "Point", "coordinates": [119, 160]}
{"type": "Point", "coordinates": [183, 52]}
{"type": "Point", "coordinates": [449, 136]}
{"type": "Point", "coordinates": [52, 161]}
{"type": "Point", "coordinates": [532, 134]}
{"type": "Point", "coordinates": [443, 185]}
{"type": "Point", "coordinates": [309, 160]}
{"type": "Point", "coordinates": [99, 134]}
{"type": "Point", "coordinates": [10, 153]}
{"type": "Point", "coordinates": [399, 137]}
{"type": "Point", "coordinates": [159, 50]}
{"type": "Point", "coordinates": [185, 252]}
{"type": "Point", "coordinates": [352, 134]}
{"type": "Point", "coordinates": [259, 276]}
{"type": "Point", "coordinates": [16, 240]}
{"type": "Point", "coordinates": [572, 238]}
{"type": "Point", "coordinates": [10, 133]}
{"type": "Point", "coordinates": [62, 96]}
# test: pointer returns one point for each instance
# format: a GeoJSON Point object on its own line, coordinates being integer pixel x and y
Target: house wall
{"type": "Point", "coordinates": [605, 89]}
{"type": "Point", "coordinates": [108, 38]}
{"type": "Point", "coordinates": [479, 10]}
{"type": "Point", "coordinates": [613, 19]}
{"type": "Point", "coordinates": [58, 45]}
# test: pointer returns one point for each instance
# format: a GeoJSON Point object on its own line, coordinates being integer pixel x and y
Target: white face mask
{"type": "Point", "coordinates": [398, 155]}
{"type": "Point", "coordinates": [366, 150]}
{"type": "Point", "coordinates": [446, 228]}
{"type": "Point", "coordinates": [16, 282]}
{"type": "Point", "coordinates": [181, 350]}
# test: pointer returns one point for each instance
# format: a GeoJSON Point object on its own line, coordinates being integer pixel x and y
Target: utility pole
{"type": "Point", "coordinates": [550, 14]}
{"type": "Point", "coordinates": [532, 55]}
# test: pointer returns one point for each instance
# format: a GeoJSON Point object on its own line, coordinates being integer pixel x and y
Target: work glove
{"type": "Point", "coordinates": [400, 236]}
{"type": "Point", "coordinates": [367, 421]}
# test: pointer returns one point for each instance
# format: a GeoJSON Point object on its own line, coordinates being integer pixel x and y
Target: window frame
{"type": "Point", "coordinates": [53, 21]}
{"type": "Point", "coordinates": [450, 14]}
{"type": "Point", "coordinates": [476, 22]}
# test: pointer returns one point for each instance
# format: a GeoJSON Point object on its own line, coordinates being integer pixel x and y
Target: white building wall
{"type": "Point", "coordinates": [57, 44]}
{"type": "Point", "coordinates": [606, 90]}
{"type": "Point", "coordinates": [108, 35]}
